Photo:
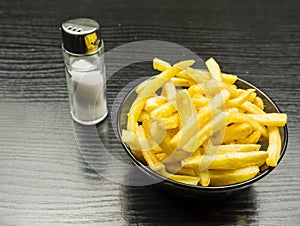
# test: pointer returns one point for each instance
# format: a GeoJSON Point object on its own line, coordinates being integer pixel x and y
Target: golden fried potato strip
{"type": "Point", "coordinates": [227, 161]}
{"type": "Point", "coordinates": [274, 146]}
{"type": "Point", "coordinates": [227, 177]}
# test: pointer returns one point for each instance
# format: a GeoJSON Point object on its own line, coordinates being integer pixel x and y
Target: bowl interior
{"type": "Point", "coordinates": [270, 106]}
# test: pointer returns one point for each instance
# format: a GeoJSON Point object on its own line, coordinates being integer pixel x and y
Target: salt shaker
{"type": "Point", "coordinates": [83, 53]}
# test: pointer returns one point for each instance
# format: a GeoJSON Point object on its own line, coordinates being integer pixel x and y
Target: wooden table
{"type": "Point", "coordinates": [44, 176]}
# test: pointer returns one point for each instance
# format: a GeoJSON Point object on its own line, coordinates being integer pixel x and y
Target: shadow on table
{"type": "Point", "coordinates": [149, 204]}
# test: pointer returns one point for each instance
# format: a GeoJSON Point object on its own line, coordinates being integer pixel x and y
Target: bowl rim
{"type": "Point", "coordinates": [230, 187]}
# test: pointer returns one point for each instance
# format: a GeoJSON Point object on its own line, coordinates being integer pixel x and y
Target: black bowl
{"type": "Point", "coordinates": [200, 191]}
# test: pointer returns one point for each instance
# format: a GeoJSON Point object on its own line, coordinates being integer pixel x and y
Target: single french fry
{"type": "Point", "coordinates": [183, 74]}
{"type": "Point", "coordinates": [185, 179]}
{"type": "Point", "coordinates": [228, 161]}
{"type": "Point", "coordinates": [182, 65]}
{"type": "Point", "coordinates": [252, 97]}
{"type": "Point", "coordinates": [163, 111]}
{"type": "Point", "coordinates": [154, 102]}
{"type": "Point", "coordinates": [236, 102]}
{"type": "Point", "coordinates": [161, 65]}
{"type": "Point", "coordinates": [237, 131]}
{"type": "Point", "coordinates": [204, 177]}
{"type": "Point", "coordinates": [274, 147]}
{"type": "Point", "coordinates": [214, 69]}
{"type": "Point", "coordinates": [259, 103]}
{"type": "Point", "coordinates": [227, 177]}
{"type": "Point", "coordinates": [251, 108]}
{"type": "Point", "coordinates": [229, 148]}
{"type": "Point", "coordinates": [228, 78]}
{"type": "Point", "coordinates": [270, 119]}
{"type": "Point", "coordinates": [134, 113]}
{"type": "Point", "coordinates": [182, 82]}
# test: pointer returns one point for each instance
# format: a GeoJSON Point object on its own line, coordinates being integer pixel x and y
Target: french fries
{"type": "Point", "coordinates": [274, 146]}
{"type": "Point", "coordinates": [197, 127]}
{"type": "Point", "coordinates": [228, 161]}
{"type": "Point", "coordinates": [221, 178]}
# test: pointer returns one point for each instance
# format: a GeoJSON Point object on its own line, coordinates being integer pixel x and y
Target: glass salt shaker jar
{"type": "Point", "coordinates": [83, 53]}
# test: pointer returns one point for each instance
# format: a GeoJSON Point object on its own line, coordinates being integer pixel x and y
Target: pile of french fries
{"type": "Point", "coordinates": [197, 127]}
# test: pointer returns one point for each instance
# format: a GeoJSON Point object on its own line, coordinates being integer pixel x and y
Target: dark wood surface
{"type": "Point", "coordinates": [44, 178]}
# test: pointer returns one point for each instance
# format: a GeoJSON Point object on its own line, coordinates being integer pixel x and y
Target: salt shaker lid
{"type": "Point", "coordinates": [81, 35]}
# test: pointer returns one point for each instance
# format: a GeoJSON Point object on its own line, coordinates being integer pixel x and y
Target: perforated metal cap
{"type": "Point", "coordinates": [81, 35]}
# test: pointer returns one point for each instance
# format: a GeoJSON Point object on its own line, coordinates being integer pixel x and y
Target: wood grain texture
{"type": "Point", "coordinates": [44, 179]}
